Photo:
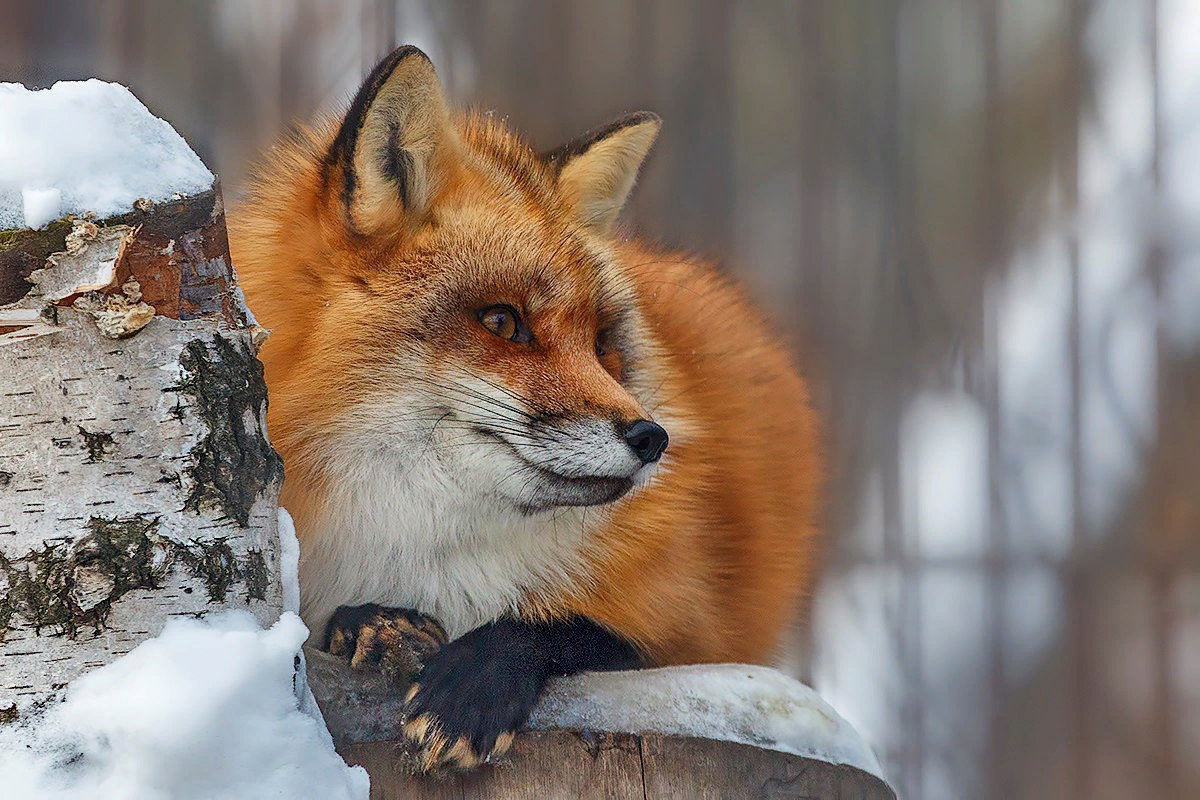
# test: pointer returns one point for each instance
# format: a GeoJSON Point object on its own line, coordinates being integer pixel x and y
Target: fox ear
{"type": "Point", "coordinates": [390, 147]}
{"type": "Point", "coordinates": [597, 171]}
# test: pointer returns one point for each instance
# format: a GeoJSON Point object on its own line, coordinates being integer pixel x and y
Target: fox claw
{"type": "Point", "coordinates": [396, 641]}
{"type": "Point", "coordinates": [472, 697]}
{"type": "Point", "coordinates": [435, 752]}
{"type": "Point", "coordinates": [436, 746]}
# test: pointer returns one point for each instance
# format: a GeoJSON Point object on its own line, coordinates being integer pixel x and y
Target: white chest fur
{"type": "Point", "coordinates": [417, 538]}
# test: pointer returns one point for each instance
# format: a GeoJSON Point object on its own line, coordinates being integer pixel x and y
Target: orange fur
{"type": "Point", "coordinates": [713, 560]}
{"type": "Point", "coordinates": [708, 562]}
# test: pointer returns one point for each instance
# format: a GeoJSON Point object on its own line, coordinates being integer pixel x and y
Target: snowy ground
{"type": "Point", "coordinates": [212, 709]}
{"type": "Point", "coordinates": [206, 710]}
{"type": "Point", "coordinates": [86, 146]}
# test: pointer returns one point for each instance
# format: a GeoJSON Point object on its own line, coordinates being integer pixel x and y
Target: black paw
{"type": "Point", "coordinates": [397, 641]}
{"type": "Point", "coordinates": [473, 695]}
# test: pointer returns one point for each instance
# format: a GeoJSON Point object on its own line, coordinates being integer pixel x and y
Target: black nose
{"type": "Point", "coordinates": [647, 439]}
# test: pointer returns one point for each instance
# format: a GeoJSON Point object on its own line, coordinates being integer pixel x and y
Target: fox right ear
{"type": "Point", "coordinates": [596, 171]}
{"type": "Point", "coordinates": [391, 146]}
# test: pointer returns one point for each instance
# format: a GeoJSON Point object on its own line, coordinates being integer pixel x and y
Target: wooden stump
{"type": "Point", "coordinates": [604, 766]}
{"type": "Point", "coordinates": [136, 480]}
{"type": "Point", "coordinates": [649, 734]}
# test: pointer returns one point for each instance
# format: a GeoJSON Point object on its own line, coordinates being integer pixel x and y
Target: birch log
{"type": "Point", "coordinates": [136, 480]}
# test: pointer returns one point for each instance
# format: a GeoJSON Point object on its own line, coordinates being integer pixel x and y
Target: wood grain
{"type": "Point", "coordinates": [575, 765]}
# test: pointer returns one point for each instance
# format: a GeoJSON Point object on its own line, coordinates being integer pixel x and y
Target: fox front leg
{"type": "Point", "coordinates": [396, 641]}
{"type": "Point", "coordinates": [474, 693]}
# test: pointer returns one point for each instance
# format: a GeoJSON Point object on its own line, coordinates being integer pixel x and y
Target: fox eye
{"type": "Point", "coordinates": [505, 322]}
{"type": "Point", "coordinates": [608, 353]}
{"type": "Point", "coordinates": [602, 343]}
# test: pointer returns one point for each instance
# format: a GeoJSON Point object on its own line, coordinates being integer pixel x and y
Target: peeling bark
{"type": "Point", "coordinates": [136, 480]}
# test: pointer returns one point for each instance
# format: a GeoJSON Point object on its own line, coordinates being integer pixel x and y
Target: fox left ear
{"type": "Point", "coordinates": [596, 172]}
{"type": "Point", "coordinates": [391, 148]}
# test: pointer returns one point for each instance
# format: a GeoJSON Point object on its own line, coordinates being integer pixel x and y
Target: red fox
{"type": "Point", "coordinates": [497, 411]}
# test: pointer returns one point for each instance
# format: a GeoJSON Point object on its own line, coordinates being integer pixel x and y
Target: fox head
{"type": "Point", "coordinates": [444, 300]}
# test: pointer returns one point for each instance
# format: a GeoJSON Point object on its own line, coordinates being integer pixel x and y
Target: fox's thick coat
{"type": "Point", "coordinates": [460, 333]}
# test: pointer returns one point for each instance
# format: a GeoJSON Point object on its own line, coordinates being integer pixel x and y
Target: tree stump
{"type": "Point", "coordinates": [719, 731]}
{"type": "Point", "coordinates": [611, 766]}
{"type": "Point", "coordinates": [136, 480]}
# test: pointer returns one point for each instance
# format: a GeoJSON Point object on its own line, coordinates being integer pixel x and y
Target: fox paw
{"type": "Point", "coordinates": [472, 697]}
{"type": "Point", "coordinates": [396, 641]}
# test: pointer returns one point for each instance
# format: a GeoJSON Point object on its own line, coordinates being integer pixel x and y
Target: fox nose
{"type": "Point", "coordinates": [647, 440]}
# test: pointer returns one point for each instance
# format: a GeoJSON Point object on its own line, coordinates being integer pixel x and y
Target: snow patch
{"type": "Point", "coordinates": [728, 702]}
{"type": "Point", "coordinates": [289, 562]}
{"type": "Point", "coordinates": [41, 206]}
{"type": "Point", "coordinates": [289, 573]}
{"type": "Point", "coordinates": [86, 146]}
{"type": "Point", "coordinates": [206, 710]}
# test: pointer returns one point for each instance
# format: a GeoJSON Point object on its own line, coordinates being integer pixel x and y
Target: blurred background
{"type": "Point", "coordinates": [978, 222]}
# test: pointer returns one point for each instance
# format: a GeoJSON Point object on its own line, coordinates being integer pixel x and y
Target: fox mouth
{"type": "Point", "coordinates": [555, 490]}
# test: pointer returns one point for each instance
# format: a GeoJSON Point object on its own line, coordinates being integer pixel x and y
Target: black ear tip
{"type": "Point", "coordinates": [379, 76]}
{"type": "Point", "coordinates": [638, 117]}
{"type": "Point", "coordinates": [342, 149]}
{"type": "Point", "coordinates": [630, 120]}
{"type": "Point", "coordinates": [384, 69]}
{"type": "Point", "coordinates": [559, 156]}
{"type": "Point", "coordinates": [402, 52]}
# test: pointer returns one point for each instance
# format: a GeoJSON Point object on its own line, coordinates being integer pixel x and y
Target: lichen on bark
{"type": "Point", "coordinates": [214, 563]}
{"type": "Point", "coordinates": [67, 585]}
{"type": "Point", "coordinates": [256, 575]}
{"type": "Point", "coordinates": [234, 463]}
{"type": "Point", "coordinates": [71, 585]}
{"type": "Point", "coordinates": [97, 443]}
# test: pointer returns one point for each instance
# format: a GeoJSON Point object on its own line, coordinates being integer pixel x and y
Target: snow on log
{"type": "Point", "coordinates": [87, 146]}
{"type": "Point", "coordinates": [136, 481]}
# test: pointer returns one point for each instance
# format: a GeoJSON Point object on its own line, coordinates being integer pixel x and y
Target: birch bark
{"type": "Point", "coordinates": [136, 480]}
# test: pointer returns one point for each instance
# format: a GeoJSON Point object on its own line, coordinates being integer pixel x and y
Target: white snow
{"type": "Point", "coordinates": [289, 573]}
{"type": "Point", "coordinates": [206, 710]}
{"type": "Point", "coordinates": [41, 206]}
{"type": "Point", "coordinates": [289, 562]}
{"type": "Point", "coordinates": [728, 702]}
{"type": "Point", "coordinates": [86, 146]}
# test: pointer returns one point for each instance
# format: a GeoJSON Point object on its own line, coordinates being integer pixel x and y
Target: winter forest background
{"type": "Point", "coordinates": [979, 223]}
